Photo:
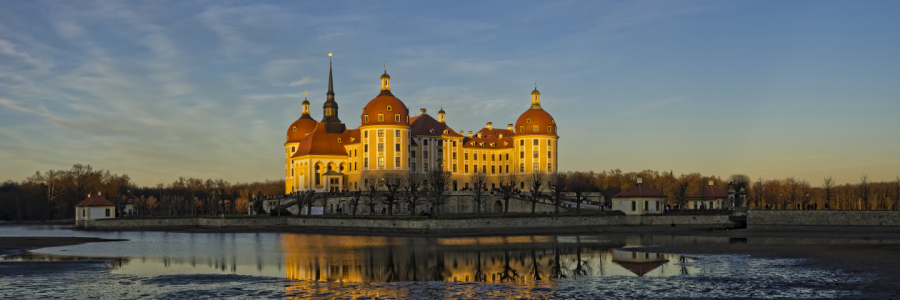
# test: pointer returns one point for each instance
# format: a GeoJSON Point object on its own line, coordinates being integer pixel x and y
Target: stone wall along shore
{"type": "Point", "coordinates": [785, 219]}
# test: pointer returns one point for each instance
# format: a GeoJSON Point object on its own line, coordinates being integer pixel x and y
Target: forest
{"type": "Point", "coordinates": [52, 195]}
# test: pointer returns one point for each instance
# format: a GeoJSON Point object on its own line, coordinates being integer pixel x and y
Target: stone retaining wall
{"type": "Point", "coordinates": [412, 226]}
{"type": "Point", "coordinates": [785, 219]}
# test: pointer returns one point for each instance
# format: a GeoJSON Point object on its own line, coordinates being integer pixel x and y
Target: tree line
{"type": "Point", "coordinates": [52, 195]}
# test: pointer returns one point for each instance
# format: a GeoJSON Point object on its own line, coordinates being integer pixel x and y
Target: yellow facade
{"type": "Point", "coordinates": [390, 140]}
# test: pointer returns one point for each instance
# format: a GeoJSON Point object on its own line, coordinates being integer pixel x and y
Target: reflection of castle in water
{"type": "Point", "coordinates": [480, 259]}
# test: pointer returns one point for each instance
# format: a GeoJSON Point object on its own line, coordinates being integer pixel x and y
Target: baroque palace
{"type": "Point", "coordinates": [327, 156]}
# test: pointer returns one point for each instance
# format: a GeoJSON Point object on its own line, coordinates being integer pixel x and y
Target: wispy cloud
{"type": "Point", "coordinates": [302, 81]}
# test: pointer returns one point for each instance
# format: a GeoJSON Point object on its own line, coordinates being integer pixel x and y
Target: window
{"type": "Point", "coordinates": [107, 212]}
{"type": "Point", "coordinates": [412, 154]}
{"type": "Point", "coordinates": [424, 154]}
{"type": "Point", "coordinates": [493, 157]}
{"type": "Point", "coordinates": [425, 167]}
{"type": "Point", "coordinates": [381, 147]}
{"type": "Point", "coordinates": [493, 170]}
{"type": "Point", "coordinates": [483, 169]}
{"type": "Point", "coordinates": [536, 142]}
{"type": "Point", "coordinates": [83, 212]}
{"type": "Point", "coordinates": [365, 133]}
{"type": "Point", "coordinates": [440, 153]}
{"type": "Point", "coordinates": [521, 128]}
{"type": "Point", "coordinates": [454, 168]}
{"type": "Point", "coordinates": [484, 157]}
{"type": "Point", "coordinates": [633, 205]}
{"type": "Point", "coordinates": [549, 142]}
{"type": "Point", "coordinates": [548, 128]}
{"type": "Point", "coordinates": [535, 128]}
{"type": "Point", "coordinates": [454, 155]}
{"type": "Point", "coordinates": [367, 120]}
{"type": "Point", "coordinates": [294, 129]}
{"type": "Point", "coordinates": [396, 147]}
{"type": "Point", "coordinates": [535, 168]}
{"type": "Point", "coordinates": [522, 143]}
{"type": "Point", "coordinates": [549, 167]}
{"type": "Point", "coordinates": [339, 140]}
{"type": "Point", "coordinates": [549, 154]}
{"type": "Point", "coordinates": [355, 167]}
{"type": "Point", "coordinates": [381, 162]}
{"type": "Point", "coordinates": [507, 168]}
{"type": "Point", "coordinates": [466, 156]}
{"type": "Point", "coordinates": [412, 165]}
{"type": "Point", "coordinates": [397, 119]}
{"type": "Point", "coordinates": [474, 156]}
{"type": "Point", "coordinates": [646, 205]}
{"type": "Point", "coordinates": [397, 132]}
{"type": "Point", "coordinates": [354, 153]}
{"type": "Point", "coordinates": [528, 121]}
{"type": "Point", "coordinates": [389, 108]}
{"type": "Point", "coordinates": [318, 178]}
{"type": "Point", "coordinates": [366, 148]}
{"type": "Point", "coordinates": [366, 162]}
{"type": "Point", "coordinates": [522, 155]}
{"type": "Point", "coordinates": [440, 143]}
{"type": "Point", "coordinates": [293, 149]}
{"type": "Point", "coordinates": [381, 133]}
{"type": "Point", "coordinates": [466, 167]}
{"type": "Point", "coordinates": [381, 118]}
{"type": "Point", "coordinates": [474, 169]}
{"type": "Point", "coordinates": [535, 154]}
{"type": "Point", "coordinates": [396, 162]}
{"type": "Point", "coordinates": [425, 142]}
{"type": "Point", "coordinates": [454, 143]}
{"type": "Point", "coordinates": [292, 172]}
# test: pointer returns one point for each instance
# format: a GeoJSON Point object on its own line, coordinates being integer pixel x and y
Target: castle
{"type": "Point", "coordinates": [326, 156]}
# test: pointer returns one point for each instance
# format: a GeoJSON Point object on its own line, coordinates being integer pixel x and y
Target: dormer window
{"type": "Point", "coordinates": [481, 144]}
{"type": "Point", "coordinates": [339, 140]}
{"type": "Point", "coordinates": [535, 128]}
{"type": "Point", "coordinates": [501, 135]}
{"type": "Point", "coordinates": [389, 108]}
{"type": "Point", "coordinates": [445, 131]}
{"type": "Point", "coordinates": [493, 145]}
{"type": "Point", "coordinates": [528, 121]}
{"type": "Point", "coordinates": [548, 129]}
{"type": "Point", "coordinates": [380, 117]}
{"type": "Point", "coordinates": [431, 130]}
{"type": "Point", "coordinates": [295, 128]}
{"type": "Point", "coordinates": [307, 134]}
{"type": "Point", "coordinates": [367, 118]}
{"type": "Point", "coordinates": [553, 122]}
{"type": "Point", "coordinates": [397, 118]}
{"type": "Point", "coordinates": [521, 128]}
{"type": "Point", "coordinates": [505, 143]}
{"type": "Point", "coordinates": [352, 139]}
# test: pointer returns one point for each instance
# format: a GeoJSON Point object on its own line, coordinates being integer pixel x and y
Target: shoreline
{"type": "Point", "coordinates": [15, 245]}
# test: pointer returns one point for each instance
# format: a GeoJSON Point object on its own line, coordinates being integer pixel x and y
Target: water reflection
{"type": "Point", "coordinates": [482, 259]}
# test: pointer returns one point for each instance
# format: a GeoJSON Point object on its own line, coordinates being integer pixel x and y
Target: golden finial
{"type": "Point", "coordinates": [329, 58]}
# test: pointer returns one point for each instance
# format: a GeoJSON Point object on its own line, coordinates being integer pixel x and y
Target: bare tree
{"type": "Point", "coordinates": [309, 198]}
{"type": "Point", "coordinates": [535, 182]}
{"type": "Point", "coordinates": [681, 191]}
{"type": "Point", "coordinates": [579, 183]}
{"type": "Point", "coordinates": [557, 183]}
{"type": "Point", "coordinates": [438, 179]}
{"type": "Point", "coordinates": [897, 193]}
{"type": "Point", "coordinates": [392, 182]}
{"type": "Point", "coordinates": [372, 195]}
{"type": "Point", "coordinates": [479, 181]}
{"type": "Point", "coordinates": [411, 190]}
{"type": "Point", "coordinates": [793, 191]}
{"type": "Point", "coordinates": [507, 189]}
{"type": "Point", "coordinates": [828, 189]}
{"type": "Point", "coordinates": [355, 198]}
{"type": "Point", "coordinates": [863, 190]}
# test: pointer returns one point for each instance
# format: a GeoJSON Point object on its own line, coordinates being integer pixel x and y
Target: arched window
{"type": "Point", "coordinates": [397, 118]}
{"type": "Point", "coordinates": [318, 180]}
{"type": "Point", "coordinates": [367, 118]}
{"type": "Point", "coordinates": [295, 128]}
{"type": "Point", "coordinates": [522, 129]}
{"type": "Point", "coordinates": [528, 121]}
{"type": "Point", "coordinates": [548, 128]}
{"type": "Point", "coordinates": [389, 108]}
{"type": "Point", "coordinates": [339, 140]}
{"type": "Point", "coordinates": [380, 117]}
{"type": "Point", "coordinates": [535, 128]}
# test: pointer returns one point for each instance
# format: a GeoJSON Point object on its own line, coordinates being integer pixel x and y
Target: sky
{"type": "Point", "coordinates": [164, 89]}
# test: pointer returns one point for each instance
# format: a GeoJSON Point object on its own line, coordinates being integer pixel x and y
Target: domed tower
{"type": "Point", "coordinates": [295, 133]}
{"type": "Point", "coordinates": [332, 122]}
{"type": "Point", "coordinates": [536, 139]}
{"type": "Point", "coordinates": [384, 132]}
{"type": "Point", "coordinates": [441, 115]}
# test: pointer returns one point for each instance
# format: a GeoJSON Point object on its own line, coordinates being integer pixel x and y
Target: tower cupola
{"type": "Point", "coordinates": [535, 97]}
{"type": "Point", "coordinates": [441, 114]}
{"type": "Point", "coordinates": [385, 79]}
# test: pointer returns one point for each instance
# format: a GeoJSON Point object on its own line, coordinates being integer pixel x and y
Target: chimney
{"type": "Point", "coordinates": [462, 132]}
{"type": "Point", "coordinates": [640, 180]}
{"type": "Point", "coordinates": [421, 111]}
{"type": "Point", "coordinates": [470, 134]}
{"type": "Point", "coordinates": [501, 135]}
{"type": "Point", "coordinates": [710, 182]}
{"type": "Point", "coordinates": [479, 134]}
{"type": "Point", "coordinates": [509, 127]}
{"type": "Point", "coordinates": [490, 126]}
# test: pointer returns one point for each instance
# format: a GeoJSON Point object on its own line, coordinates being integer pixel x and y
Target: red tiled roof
{"type": "Point", "coordinates": [639, 190]}
{"type": "Point", "coordinates": [491, 142]}
{"type": "Point", "coordinates": [303, 126]}
{"type": "Point", "coordinates": [709, 192]}
{"type": "Point", "coordinates": [95, 200]}
{"type": "Point", "coordinates": [380, 105]}
{"type": "Point", "coordinates": [539, 118]}
{"type": "Point", "coordinates": [426, 125]}
{"type": "Point", "coordinates": [132, 199]}
{"type": "Point", "coordinates": [319, 142]}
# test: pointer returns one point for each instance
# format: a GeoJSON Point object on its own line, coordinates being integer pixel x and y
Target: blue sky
{"type": "Point", "coordinates": [162, 89]}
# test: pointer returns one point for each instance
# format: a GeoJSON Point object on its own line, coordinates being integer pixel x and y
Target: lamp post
{"type": "Point", "coordinates": [743, 194]}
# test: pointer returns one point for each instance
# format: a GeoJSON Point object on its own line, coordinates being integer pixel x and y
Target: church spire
{"type": "Point", "coordinates": [535, 97]}
{"type": "Point", "coordinates": [331, 120]}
